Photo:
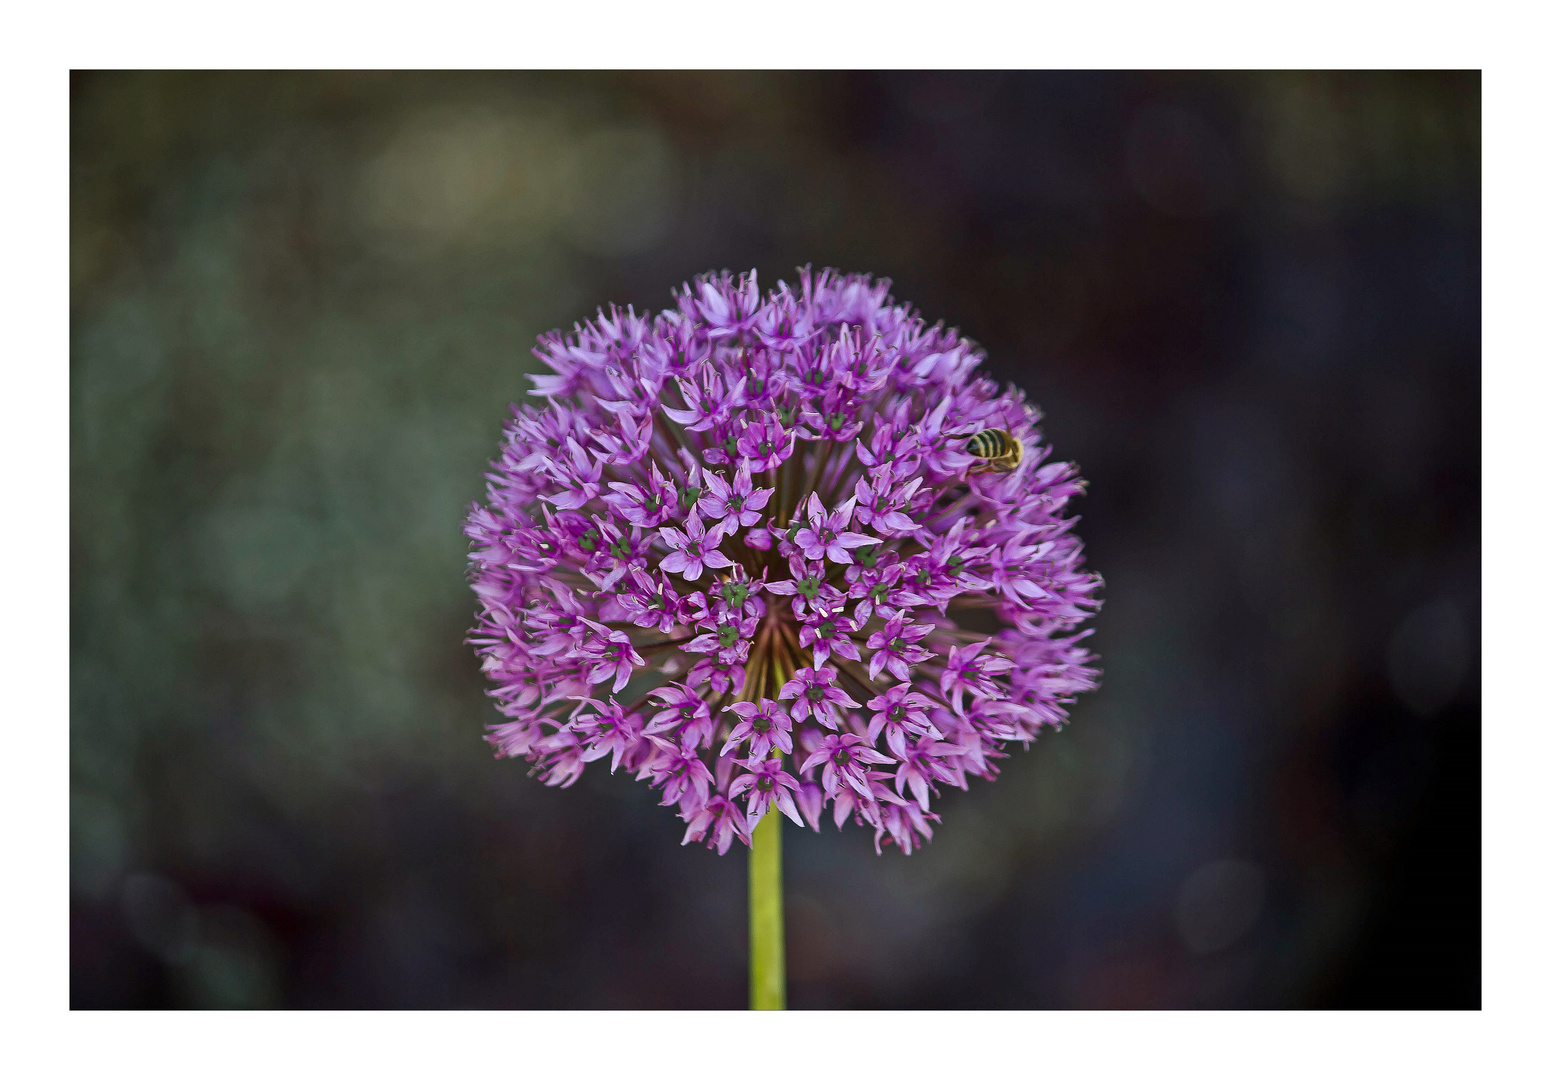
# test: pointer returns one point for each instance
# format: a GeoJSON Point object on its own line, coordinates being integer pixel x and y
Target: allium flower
{"type": "Point", "coordinates": [718, 823]}
{"type": "Point", "coordinates": [827, 536]}
{"type": "Point", "coordinates": [763, 725]}
{"type": "Point", "coordinates": [814, 694]}
{"type": "Point", "coordinates": [738, 502]}
{"type": "Point", "coordinates": [896, 648]}
{"type": "Point", "coordinates": [694, 549]}
{"type": "Point", "coordinates": [767, 784]}
{"type": "Point", "coordinates": [726, 527]}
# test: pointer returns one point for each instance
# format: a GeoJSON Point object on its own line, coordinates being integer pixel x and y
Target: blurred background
{"type": "Point", "coordinates": [1249, 303]}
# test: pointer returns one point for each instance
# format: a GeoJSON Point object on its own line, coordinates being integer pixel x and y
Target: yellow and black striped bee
{"type": "Point", "coordinates": [997, 448]}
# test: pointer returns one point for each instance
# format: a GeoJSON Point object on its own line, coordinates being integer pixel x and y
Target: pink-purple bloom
{"type": "Point", "coordinates": [815, 694]}
{"type": "Point", "coordinates": [895, 648]}
{"type": "Point", "coordinates": [767, 783]}
{"type": "Point", "coordinates": [738, 502]}
{"type": "Point", "coordinates": [764, 725]}
{"type": "Point", "coordinates": [694, 549]}
{"type": "Point", "coordinates": [725, 527]}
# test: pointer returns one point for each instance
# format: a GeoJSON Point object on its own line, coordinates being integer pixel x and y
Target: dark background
{"type": "Point", "coordinates": [1249, 304]}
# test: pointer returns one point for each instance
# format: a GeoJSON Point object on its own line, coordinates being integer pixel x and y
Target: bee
{"type": "Point", "coordinates": [998, 449]}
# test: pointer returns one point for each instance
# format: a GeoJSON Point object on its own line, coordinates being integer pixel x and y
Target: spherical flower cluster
{"type": "Point", "coordinates": [743, 549]}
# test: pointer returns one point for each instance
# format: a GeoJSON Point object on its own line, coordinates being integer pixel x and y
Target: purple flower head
{"type": "Point", "coordinates": [647, 505]}
{"type": "Point", "coordinates": [767, 783]}
{"type": "Point", "coordinates": [867, 802]}
{"type": "Point", "coordinates": [889, 445]}
{"type": "Point", "coordinates": [737, 593]}
{"type": "Point", "coordinates": [895, 648]}
{"type": "Point", "coordinates": [845, 759]}
{"type": "Point", "coordinates": [832, 417]}
{"type": "Point", "coordinates": [763, 726]}
{"type": "Point", "coordinates": [717, 530]}
{"type": "Point", "coordinates": [765, 444]}
{"type": "Point", "coordinates": [718, 822]}
{"type": "Point", "coordinates": [560, 759]}
{"type": "Point", "coordinates": [722, 677]}
{"type": "Point", "coordinates": [694, 549]}
{"type": "Point", "coordinates": [684, 716]}
{"type": "Point", "coordinates": [813, 694]}
{"type": "Point", "coordinates": [828, 536]}
{"type": "Point", "coordinates": [905, 824]}
{"type": "Point", "coordinates": [922, 764]}
{"type": "Point", "coordinates": [899, 711]}
{"type": "Point", "coordinates": [880, 590]}
{"type": "Point", "coordinates": [726, 633]}
{"type": "Point", "coordinates": [709, 401]}
{"type": "Point", "coordinates": [884, 505]}
{"type": "Point", "coordinates": [615, 552]}
{"type": "Point", "coordinates": [608, 730]}
{"type": "Point", "coordinates": [968, 670]}
{"type": "Point", "coordinates": [577, 476]}
{"type": "Point", "coordinates": [807, 585]}
{"type": "Point", "coordinates": [651, 602]}
{"type": "Point", "coordinates": [680, 773]}
{"type": "Point", "coordinates": [610, 655]}
{"type": "Point", "coordinates": [825, 633]}
{"type": "Point", "coordinates": [738, 502]}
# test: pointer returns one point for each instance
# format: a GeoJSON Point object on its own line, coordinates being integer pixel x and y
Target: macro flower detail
{"type": "Point", "coordinates": [815, 694]}
{"type": "Point", "coordinates": [694, 549]}
{"type": "Point", "coordinates": [741, 550]}
{"type": "Point", "coordinates": [767, 784]}
{"type": "Point", "coordinates": [895, 648]}
{"type": "Point", "coordinates": [764, 726]}
{"type": "Point", "coordinates": [737, 502]}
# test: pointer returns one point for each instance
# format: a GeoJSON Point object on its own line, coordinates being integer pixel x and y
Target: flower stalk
{"type": "Point", "coordinates": [767, 929]}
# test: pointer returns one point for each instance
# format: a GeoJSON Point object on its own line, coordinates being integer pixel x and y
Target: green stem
{"type": "Point", "coordinates": [767, 936]}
